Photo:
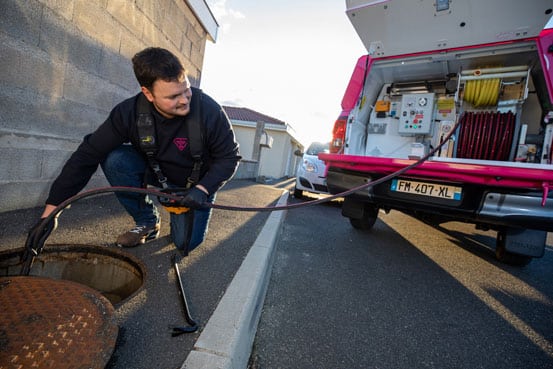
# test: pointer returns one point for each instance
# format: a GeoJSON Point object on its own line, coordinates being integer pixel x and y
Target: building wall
{"type": "Point", "coordinates": [245, 136]}
{"type": "Point", "coordinates": [276, 162]}
{"type": "Point", "coordinates": [279, 161]}
{"type": "Point", "coordinates": [65, 64]}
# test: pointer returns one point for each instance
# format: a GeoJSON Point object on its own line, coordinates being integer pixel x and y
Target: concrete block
{"type": "Point", "coordinates": [179, 22]}
{"type": "Point", "coordinates": [80, 119]}
{"type": "Point", "coordinates": [64, 42]}
{"type": "Point", "coordinates": [20, 164]}
{"type": "Point", "coordinates": [26, 111]}
{"type": "Point", "coordinates": [188, 14]}
{"type": "Point", "coordinates": [87, 89]}
{"type": "Point", "coordinates": [127, 15]}
{"type": "Point", "coordinates": [29, 164]}
{"type": "Point", "coordinates": [195, 35]}
{"type": "Point", "coordinates": [38, 73]}
{"type": "Point", "coordinates": [186, 46]}
{"type": "Point", "coordinates": [117, 69]}
{"type": "Point", "coordinates": [53, 162]}
{"type": "Point", "coordinates": [22, 195]}
{"type": "Point", "coordinates": [130, 44]}
{"type": "Point", "coordinates": [21, 20]}
{"type": "Point", "coordinates": [19, 140]}
{"type": "Point", "coordinates": [64, 8]}
{"type": "Point", "coordinates": [196, 58]}
{"type": "Point", "coordinates": [30, 194]}
{"type": "Point", "coordinates": [199, 28]}
{"type": "Point", "coordinates": [174, 32]}
{"type": "Point", "coordinates": [93, 19]}
{"type": "Point", "coordinates": [29, 112]}
{"type": "Point", "coordinates": [153, 11]}
{"type": "Point", "coordinates": [121, 94]}
{"type": "Point", "coordinates": [152, 35]}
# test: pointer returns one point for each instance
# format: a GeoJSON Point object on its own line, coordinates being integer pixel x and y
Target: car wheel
{"type": "Point", "coordinates": [367, 221]}
{"type": "Point", "coordinates": [298, 194]}
{"type": "Point", "coordinates": [507, 257]}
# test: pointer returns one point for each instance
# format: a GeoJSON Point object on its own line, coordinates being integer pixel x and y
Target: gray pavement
{"type": "Point", "coordinates": [235, 257]}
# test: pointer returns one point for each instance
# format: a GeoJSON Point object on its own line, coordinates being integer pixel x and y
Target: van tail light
{"type": "Point", "coordinates": [338, 135]}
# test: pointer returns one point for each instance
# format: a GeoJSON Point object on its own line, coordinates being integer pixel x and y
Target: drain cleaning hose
{"type": "Point", "coordinates": [36, 249]}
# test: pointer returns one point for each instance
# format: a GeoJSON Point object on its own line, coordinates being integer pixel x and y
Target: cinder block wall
{"type": "Point", "coordinates": [64, 64]}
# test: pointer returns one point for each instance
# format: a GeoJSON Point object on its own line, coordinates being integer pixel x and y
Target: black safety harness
{"type": "Point", "coordinates": [147, 137]}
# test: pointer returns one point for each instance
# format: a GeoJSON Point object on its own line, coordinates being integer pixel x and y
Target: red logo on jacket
{"type": "Point", "coordinates": [180, 143]}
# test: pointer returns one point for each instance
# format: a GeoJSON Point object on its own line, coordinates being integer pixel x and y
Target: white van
{"type": "Point", "coordinates": [469, 82]}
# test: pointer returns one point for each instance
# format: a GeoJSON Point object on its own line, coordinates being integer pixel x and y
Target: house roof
{"type": "Point", "coordinates": [248, 115]}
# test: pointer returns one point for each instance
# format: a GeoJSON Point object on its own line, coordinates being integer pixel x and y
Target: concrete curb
{"type": "Point", "coordinates": [227, 339]}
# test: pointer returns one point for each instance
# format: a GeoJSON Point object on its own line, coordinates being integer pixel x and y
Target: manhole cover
{"type": "Point", "coordinates": [48, 323]}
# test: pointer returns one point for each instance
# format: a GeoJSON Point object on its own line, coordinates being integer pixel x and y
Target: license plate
{"type": "Point", "coordinates": [435, 190]}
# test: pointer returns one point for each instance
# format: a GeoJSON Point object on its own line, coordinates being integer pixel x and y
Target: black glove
{"type": "Point", "coordinates": [37, 236]}
{"type": "Point", "coordinates": [194, 198]}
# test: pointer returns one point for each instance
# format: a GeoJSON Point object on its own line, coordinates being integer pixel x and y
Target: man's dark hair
{"type": "Point", "coordinates": [155, 63]}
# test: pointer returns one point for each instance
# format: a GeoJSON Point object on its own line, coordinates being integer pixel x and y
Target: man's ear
{"type": "Point", "coordinates": [147, 93]}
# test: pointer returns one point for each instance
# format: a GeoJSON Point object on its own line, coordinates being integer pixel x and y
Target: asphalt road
{"type": "Point", "coordinates": [403, 295]}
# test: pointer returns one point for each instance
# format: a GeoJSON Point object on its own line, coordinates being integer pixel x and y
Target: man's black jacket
{"type": "Point", "coordinates": [220, 156]}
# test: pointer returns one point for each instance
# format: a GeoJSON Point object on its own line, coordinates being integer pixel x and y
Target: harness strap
{"type": "Point", "coordinates": [148, 139]}
{"type": "Point", "coordinates": [195, 136]}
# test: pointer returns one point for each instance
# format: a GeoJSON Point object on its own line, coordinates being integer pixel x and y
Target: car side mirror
{"type": "Point", "coordinates": [298, 152]}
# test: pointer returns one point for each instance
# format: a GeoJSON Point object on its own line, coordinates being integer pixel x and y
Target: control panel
{"type": "Point", "coordinates": [415, 116]}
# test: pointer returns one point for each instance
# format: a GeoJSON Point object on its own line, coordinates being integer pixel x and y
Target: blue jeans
{"type": "Point", "coordinates": [126, 167]}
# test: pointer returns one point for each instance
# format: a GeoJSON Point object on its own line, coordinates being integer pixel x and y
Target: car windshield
{"type": "Point", "coordinates": [317, 147]}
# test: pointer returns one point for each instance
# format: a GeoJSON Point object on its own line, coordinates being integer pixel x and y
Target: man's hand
{"type": "Point", "coordinates": [193, 198]}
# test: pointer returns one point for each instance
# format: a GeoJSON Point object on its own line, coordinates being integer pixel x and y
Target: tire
{"type": "Point", "coordinates": [298, 194]}
{"type": "Point", "coordinates": [507, 257]}
{"type": "Point", "coordinates": [365, 223]}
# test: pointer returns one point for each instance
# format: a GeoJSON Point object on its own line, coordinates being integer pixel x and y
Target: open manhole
{"type": "Point", "coordinates": [61, 314]}
{"type": "Point", "coordinates": [114, 273]}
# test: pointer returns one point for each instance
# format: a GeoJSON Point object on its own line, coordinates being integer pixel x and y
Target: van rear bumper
{"type": "Point", "coordinates": [517, 209]}
{"type": "Point", "coordinates": [496, 207]}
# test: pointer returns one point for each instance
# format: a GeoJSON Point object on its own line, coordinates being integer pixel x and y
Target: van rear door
{"type": "Point", "coordinates": [399, 27]}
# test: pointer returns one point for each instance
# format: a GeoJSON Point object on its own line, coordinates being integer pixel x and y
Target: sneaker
{"type": "Point", "coordinates": [138, 235]}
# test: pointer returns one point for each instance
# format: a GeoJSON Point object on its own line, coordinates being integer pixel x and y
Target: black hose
{"type": "Point", "coordinates": [164, 194]}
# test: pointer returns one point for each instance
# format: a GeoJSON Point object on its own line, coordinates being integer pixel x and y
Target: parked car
{"type": "Point", "coordinates": [311, 171]}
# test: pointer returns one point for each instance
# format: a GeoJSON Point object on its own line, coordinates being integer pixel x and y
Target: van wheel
{"type": "Point", "coordinates": [507, 257]}
{"type": "Point", "coordinates": [298, 194]}
{"type": "Point", "coordinates": [370, 214]}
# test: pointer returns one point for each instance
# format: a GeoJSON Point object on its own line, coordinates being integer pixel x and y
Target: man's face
{"type": "Point", "coordinates": [171, 99]}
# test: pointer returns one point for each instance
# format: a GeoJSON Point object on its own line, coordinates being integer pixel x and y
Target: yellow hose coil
{"type": "Point", "coordinates": [482, 92]}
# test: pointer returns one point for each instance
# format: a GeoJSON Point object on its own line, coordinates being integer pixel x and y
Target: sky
{"type": "Point", "coordinates": [289, 59]}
